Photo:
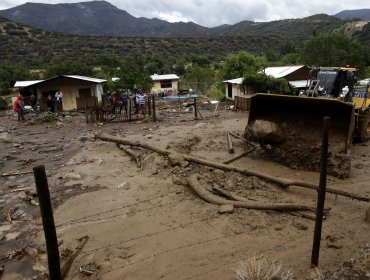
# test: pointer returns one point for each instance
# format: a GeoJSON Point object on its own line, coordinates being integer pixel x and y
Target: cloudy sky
{"type": "Point", "coordinates": [212, 13]}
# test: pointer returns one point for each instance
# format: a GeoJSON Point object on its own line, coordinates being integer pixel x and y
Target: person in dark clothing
{"type": "Point", "coordinates": [123, 101]}
{"type": "Point", "coordinates": [34, 104]}
{"type": "Point", "coordinates": [50, 104]}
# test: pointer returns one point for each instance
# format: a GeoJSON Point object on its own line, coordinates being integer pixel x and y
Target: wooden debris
{"type": "Point", "coordinates": [15, 173]}
{"type": "Point", "coordinates": [66, 266]}
{"type": "Point", "coordinates": [280, 181]}
{"type": "Point", "coordinates": [230, 195]}
{"type": "Point", "coordinates": [235, 158]}
{"type": "Point", "coordinates": [230, 144]}
{"type": "Point", "coordinates": [212, 198]}
{"type": "Point", "coordinates": [237, 136]}
{"type": "Point", "coordinates": [131, 154]}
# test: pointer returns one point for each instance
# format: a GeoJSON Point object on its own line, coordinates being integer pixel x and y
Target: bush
{"type": "Point", "coordinates": [259, 268]}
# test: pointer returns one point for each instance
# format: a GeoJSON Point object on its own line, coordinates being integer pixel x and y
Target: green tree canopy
{"type": "Point", "coordinates": [333, 49]}
{"type": "Point", "coordinates": [67, 68]}
{"type": "Point", "coordinates": [238, 65]}
{"type": "Point", "coordinates": [200, 78]}
{"type": "Point", "coordinates": [260, 82]}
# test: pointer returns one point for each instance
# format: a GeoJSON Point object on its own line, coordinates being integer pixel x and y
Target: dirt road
{"type": "Point", "coordinates": [145, 223]}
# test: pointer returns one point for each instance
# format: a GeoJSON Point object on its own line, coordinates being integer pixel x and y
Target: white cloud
{"type": "Point", "coordinates": [212, 13]}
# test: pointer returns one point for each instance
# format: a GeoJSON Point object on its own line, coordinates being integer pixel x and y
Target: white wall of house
{"type": "Point", "coordinates": [173, 86]}
{"type": "Point", "coordinates": [236, 90]}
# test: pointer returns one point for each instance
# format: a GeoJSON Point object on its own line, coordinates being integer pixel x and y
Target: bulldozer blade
{"type": "Point", "coordinates": [301, 120]}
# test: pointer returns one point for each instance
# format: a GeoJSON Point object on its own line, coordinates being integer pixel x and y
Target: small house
{"type": "Point", "coordinates": [78, 91]}
{"type": "Point", "coordinates": [168, 83]}
{"type": "Point", "coordinates": [234, 88]}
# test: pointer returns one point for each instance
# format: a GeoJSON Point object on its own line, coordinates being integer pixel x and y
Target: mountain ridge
{"type": "Point", "coordinates": [101, 18]}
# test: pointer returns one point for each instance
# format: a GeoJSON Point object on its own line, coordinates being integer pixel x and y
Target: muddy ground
{"type": "Point", "coordinates": [145, 223]}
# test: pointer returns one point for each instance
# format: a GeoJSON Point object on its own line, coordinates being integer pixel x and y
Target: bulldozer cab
{"type": "Point", "coordinates": [331, 81]}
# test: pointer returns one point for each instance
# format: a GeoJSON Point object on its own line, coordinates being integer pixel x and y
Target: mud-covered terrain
{"type": "Point", "coordinates": [142, 219]}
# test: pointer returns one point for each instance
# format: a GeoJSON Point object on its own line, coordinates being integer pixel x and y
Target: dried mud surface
{"type": "Point", "coordinates": [145, 223]}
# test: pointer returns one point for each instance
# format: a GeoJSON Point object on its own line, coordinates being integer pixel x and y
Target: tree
{"type": "Point", "coordinates": [67, 68]}
{"type": "Point", "coordinates": [237, 65]}
{"type": "Point", "coordinates": [200, 78]}
{"type": "Point", "coordinates": [9, 74]}
{"type": "Point", "coordinates": [333, 49]}
{"type": "Point", "coordinates": [260, 82]}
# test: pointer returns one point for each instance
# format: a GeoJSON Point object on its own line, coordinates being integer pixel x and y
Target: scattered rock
{"type": "Point", "coordinates": [227, 208]}
{"type": "Point", "coordinates": [177, 160]}
{"type": "Point", "coordinates": [124, 185]}
{"type": "Point", "coordinates": [30, 251]}
{"type": "Point", "coordinates": [299, 224]}
{"type": "Point", "coordinates": [333, 242]}
{"type": "Point", "coordinates": [84, 138]}
{"type": "Point", "coordinates": [177, 180]}
{"type": "Point", "coordinates": [21, 215]}
{"type": "Point", "coordinates": [72, 176]}
{"type": "Point", "coordinates": [5, 137]}
{"type": "Point", "coordinates": [2, 235]}
{"type": "Point", "coordinates": [265, 132]}
{"type": "Point", "coordinates": [59, 124]}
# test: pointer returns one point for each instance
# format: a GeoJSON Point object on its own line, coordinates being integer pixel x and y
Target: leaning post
{"type": "Point", "coordinates": [321, 193]}
{"type": "Point", "coordinates": [48, 222]}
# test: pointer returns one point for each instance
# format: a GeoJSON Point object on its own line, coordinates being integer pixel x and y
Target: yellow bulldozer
{"type": "Point", "coordinates": [289, 126]}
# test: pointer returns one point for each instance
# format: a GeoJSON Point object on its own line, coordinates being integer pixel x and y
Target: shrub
{"type": "Point", "coordinates": [259, 268]}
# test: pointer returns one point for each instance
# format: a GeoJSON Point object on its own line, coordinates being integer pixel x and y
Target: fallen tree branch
{"type": "Point", "coordinates": [15, 173]}
{"type": "Point", "coordinates": [281, 181]}
{"type": "Point", "coordinates": [230, 144]}
{"type": "Point", "coordinates": [130, 153]}
{"type": "Point", "coordinates": [65, 267]}
{"type": "Point", "coordinates": [212, 198]}
{"type": "Point", "coordinates": [230, 195]}
{"type": "Point", "coordinates": [235, 158]}
{"type": "Point", "coordinates": [237, 136]}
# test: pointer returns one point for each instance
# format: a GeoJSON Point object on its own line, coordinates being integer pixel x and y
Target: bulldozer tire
{"type": "Point", "coordinates": [364, 126]}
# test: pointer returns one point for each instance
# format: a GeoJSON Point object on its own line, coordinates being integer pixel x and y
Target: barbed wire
{"type": "Point", "coordinates": [152, 234]}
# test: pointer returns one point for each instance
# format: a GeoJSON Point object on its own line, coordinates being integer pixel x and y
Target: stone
{"type": "Point", "coordinates": [72, 176]}
{"type": "Point", "coordinates": [2, 235]}
{"type": "Point", "coordinates": [299, 224]}
{"type": "Point", "coordinates": [59, 124]}
{"type": "Point", "coordinates": [30, 251]}
{"type": "Point", "coordinates": [226, 209]}
{"type": "Point", "coordinates": [265, 132]}
{"type": "Point", "coordinates": [84, 138]}
{"type": "Point", "coordinates": [177, 180]}
{"type": "Point", "coordinates": [124, 185]}
{"type": "Point", "coordinates": [177, 160]}
{"type": "Point", "coordinates": [5, 137]}
{"type": "Point", "coordinates": [21, 215]}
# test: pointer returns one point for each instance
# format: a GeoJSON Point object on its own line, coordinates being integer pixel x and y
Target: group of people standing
{"type": "Point", "coordinates": [52, 105]}
{"type": "Point", "coordinates": [56, 104]}
{"type": "Point", "coordinates": [121, 101]}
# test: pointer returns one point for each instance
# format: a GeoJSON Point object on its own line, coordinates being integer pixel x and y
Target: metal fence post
{"type": "Point", "coordinates": [48, 222]}
{"type": "Point", "coordinates": [321, 193]}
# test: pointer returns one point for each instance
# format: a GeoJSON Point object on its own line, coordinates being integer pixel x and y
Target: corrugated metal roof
{"type": "Point", "coordinates": [238, 81]}
{"type": "Point", "coordinates": [89, 79]}
{"type": "Point", "coordinates": [157, 77]}
{"type": "Point", "coordinates": [281, 71]}
{"type": "Point", "coordinates": [299, 83]}
{"type": "Point", "coordinates": [20, 84]}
